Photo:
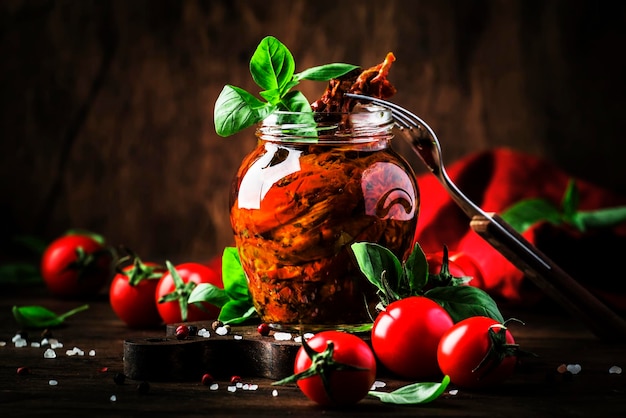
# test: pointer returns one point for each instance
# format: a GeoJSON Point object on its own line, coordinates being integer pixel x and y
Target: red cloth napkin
{"type": "Point", "coordinates": [497, 179]}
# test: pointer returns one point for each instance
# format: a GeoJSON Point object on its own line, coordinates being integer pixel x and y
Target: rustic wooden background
{"type": "Point", "coordinates": [107, 106]}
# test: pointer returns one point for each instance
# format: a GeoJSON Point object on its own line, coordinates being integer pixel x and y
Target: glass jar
{"type": "Point", "coordinates": [315, 184]}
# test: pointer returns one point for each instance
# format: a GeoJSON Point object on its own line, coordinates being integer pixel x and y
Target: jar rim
{"type": "Point", "coordinates": [366, 123]}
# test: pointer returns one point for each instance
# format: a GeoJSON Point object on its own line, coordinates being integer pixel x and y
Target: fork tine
{"type": "Point", "coordinates": [403, 117]}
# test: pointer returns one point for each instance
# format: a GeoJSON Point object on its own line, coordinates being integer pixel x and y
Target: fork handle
{"type": "Point", "coordinates": [550, 278]}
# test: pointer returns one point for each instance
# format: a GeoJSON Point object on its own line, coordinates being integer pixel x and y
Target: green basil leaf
{"type": "Point", "coordinates": [272, 65]}
{"type": "Point", "coordinates": [272, 96]}
{"type": "Point", "coordinates": [285, 89]}
{"type": "Point", "coordinates": [233, 276]}
{"type": "Point", "coordinates": [599, 218]}
{"type": "Point", "coordinates": [207, 292]}
{"type": "Point", "coordinates": [236, 312]}
{"type": "Point", "coordinates": [374, 259]}
{"type": "Point", "coordinates": [462, 302]}
{"type": "Point", "coordinates": [570, 200]}
{"type": "Point", "coordinates": [40, 317]}
{"type": "Point", "coordinates": [295, 101]}
{"type": "Point", "coordinates": [414, 394]}
{"type": "Point", "coordinates": [236, 109]}
{"type": "Point", "coordinates": [526, 213]}
{"type": "Point", "coordinates": [416, 270]}
{"type": "Point", "coordinates": [20, 274]}
{"type": "Point", "coordinates": [325, 72]}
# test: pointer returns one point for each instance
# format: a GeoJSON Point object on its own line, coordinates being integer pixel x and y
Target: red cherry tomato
{"type": "Point", "coordinates": [345, 386]}
{"type": "Point", "coordinates": [132, 293]}
{"type": "Point", "coordinates": [197, 273]}
{"type": "Point", "coordinates": [464, 346]}
{"type": "Point", "coordinates": [406, 334]}
{"type": "Point", "coordinates": [76, 265]}
{"type": "Point", "coordinates": [460, 264]}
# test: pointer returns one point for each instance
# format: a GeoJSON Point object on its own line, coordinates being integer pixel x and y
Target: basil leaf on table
{"type": "Point", "coordinates": [413, 394]}
{"type": "Point", "coordinates": [40, 317]}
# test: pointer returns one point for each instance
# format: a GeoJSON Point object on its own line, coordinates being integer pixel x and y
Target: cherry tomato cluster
{"type": "Point", "coordinates": [142, 294]}
{"type": "Point", "coordinates": [415, 337]}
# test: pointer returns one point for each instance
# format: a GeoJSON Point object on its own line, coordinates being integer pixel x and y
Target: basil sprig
{"type": "Point", "coordinates": [414, 393]}
{"type": "Point", "coordinates": [273, 69]}
{"type": "Point", "coordinates": [397, 280]}
{"type": "Point", "coordinates": [234, 300]}
{"type": "Point", "coordinates": [528, 212]}
{"type": "Point", "coordinates": [40, 317]}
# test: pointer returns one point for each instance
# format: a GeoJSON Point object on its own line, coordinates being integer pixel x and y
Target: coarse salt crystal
{"type": "Point", "coordinates": [221, 331]}
{"type": "Point", "coordinates": [49, 353]}
{"type": "Point", "coordinates": [113, 398]}
{"type": "Point", "coordinates": [378, 384]}
{"type": "Point", "coordinates": [282, 336]}
{"type": "Point", "coordinates": [44, 341]}
{"type": "Point", "coordinates": [232, 388]}
{"type": "Point", "coordinates": [238, 337]}
{"type": "Point", "coordinates": [35, 344]}
{"type": "Point", "coordinates": [92, 353]}
{"type": "Point", "coordinates": [307, 336]}
{"type": "Point", "coordinates": [453, 392]}
{"type": "Point", "coordinates": [75, 352]}
{"type": "Point", "coordinates": [21, 343]}
{"type": "Point", "coordinates": [56, 345]}
{"type": "Point", "coordinates": [274, 393]}
{"type": "Point", "coordinates": [615, 370]}
{"type": "Point", "coordinates": [253, 387]}
{"type": "Point", "coordinates": [53, 382]}
{"type": "Point", "coordinates": [204, 333]}
{"type": "Point", "coordinates": [3, 343]}
{"type": "Point", "coordinates": [214, 386]}
{"type": "Point", "coordinates": [245, 386]}
{"type": "Point", "coordinates": [16, 337]}
{"type": "Point", "coordinates": [574, 368]}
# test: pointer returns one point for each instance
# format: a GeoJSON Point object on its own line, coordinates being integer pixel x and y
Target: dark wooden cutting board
{"type": "Point", "coordinates": [243, 351]}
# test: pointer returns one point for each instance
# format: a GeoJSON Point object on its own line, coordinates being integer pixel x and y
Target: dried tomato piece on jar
{"type": "Point", "coordinates": [370, 82]}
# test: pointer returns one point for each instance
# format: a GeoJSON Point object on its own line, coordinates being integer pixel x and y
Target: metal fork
{"type": "Point", "coordinates": [548, 276]}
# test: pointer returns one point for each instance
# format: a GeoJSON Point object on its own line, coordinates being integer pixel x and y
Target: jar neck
{"type": "Point", "coordinates": [365, 125]}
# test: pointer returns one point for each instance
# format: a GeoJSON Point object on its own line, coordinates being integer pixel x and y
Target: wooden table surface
{"type": "Point", "coordinates": [86, 385]}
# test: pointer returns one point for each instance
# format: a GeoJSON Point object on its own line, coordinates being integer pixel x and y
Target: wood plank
{"type": "Point", "coordinates": [84, 387]}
